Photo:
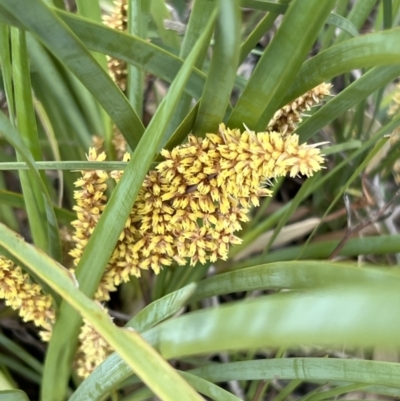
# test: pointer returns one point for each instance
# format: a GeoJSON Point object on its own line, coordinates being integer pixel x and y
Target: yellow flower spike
{"type": "Point", "coordinates": [93, 349]}
{"type": "Point", "coordinates": [21, 294]}
{"type": "Point", "coordinates": [285, 120]}
{"type": "Point", "coordinates": [118, 20]}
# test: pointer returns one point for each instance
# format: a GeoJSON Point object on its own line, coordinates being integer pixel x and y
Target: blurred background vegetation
{"type": "Point", "coordinates": [307, 306]}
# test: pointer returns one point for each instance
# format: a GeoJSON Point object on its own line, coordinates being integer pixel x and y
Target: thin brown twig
{"type": "Point", "coordinates": [381, 214]}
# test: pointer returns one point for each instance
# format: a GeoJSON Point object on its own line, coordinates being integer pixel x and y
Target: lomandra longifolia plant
{"type": "Point", "coordinates": [187, 237]}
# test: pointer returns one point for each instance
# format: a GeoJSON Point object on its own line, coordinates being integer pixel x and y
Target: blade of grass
{"type": "Point", "coordinates": [387, 14]}
{"type": "Point", "coordinates": [358, 14]}
{"type": "Point", "coordinates": [379, 48]}
{"type": "Point", "coordinates": [124, 47]}
{"type": "Point", "coordinates": [259, 31]}
{"type": "Point", "coordinates": [7, 215]}
{"type": "Point", "coordinates": [20, 368]}
{"type": "Point", "coordinates": [222, 70]}
{"type": "Point", "coordinates": [335, 392]}
{"type": "Point", "coordinates": [288, 275]}
{"type": "Point", "coordinates": [68, 165]}
{"type": "Point", "coordinates": [200, 14]}
{"type": "Point", "coordinates": [375, 245]}
{"type": "Point", "coordinates": [42, 220]}
{"type": "Point", "coordinates": [209, 389]}
{"type": "Point", "coordinates": [306, 369]}
{"type": "Point", "coordinates": [14, 138]}
{"type": "Point", "coordinates": [333, 19]}
{"type": "Point", "coordinates": [13, 395]}
{"type": "Point", "coordinates": [160, 14]}
{"type": "Point", "coordinates": [21, 353]}
{"type": "Point", "coordinates": [139, 13]}
{"type": "Point", "coordinates": [314, 317]}
{"type": "Point", "coordinates": [265, 6]}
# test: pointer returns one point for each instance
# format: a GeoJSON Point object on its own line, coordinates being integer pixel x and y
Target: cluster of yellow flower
{"type": "Point", "coordinates": [21, 294]}
{"type": "Point", "coordinates": [118, 19]}
{"type": "Point", "coordinates": [285, 120]}
{"type": "Point", "coordinates": [191, 205]}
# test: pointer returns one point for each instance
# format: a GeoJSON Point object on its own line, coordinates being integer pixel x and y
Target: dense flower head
{"type": "Point", "coordinates": [21, 294]}
{"type": "Point", "coordinates": [190, 207]}
{"type": "Point", "coordinates": [285, 120]}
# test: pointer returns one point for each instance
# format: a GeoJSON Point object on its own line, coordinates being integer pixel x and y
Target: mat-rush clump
{"type": "Point", "coordinates": [188, 209]}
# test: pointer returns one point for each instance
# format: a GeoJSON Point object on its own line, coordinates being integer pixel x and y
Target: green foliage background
{"type": "Point", "coordinates": [59, 95]}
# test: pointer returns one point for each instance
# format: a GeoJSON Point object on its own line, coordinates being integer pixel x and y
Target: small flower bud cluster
{"type": "Point", "coordinates": [118, 20]}
{"type": "Point", "coordinates": [92, 350]}
{"type": "Point", "coordinates": [21, 294]}
{"type": "Point", "coordinates": [285, 120]}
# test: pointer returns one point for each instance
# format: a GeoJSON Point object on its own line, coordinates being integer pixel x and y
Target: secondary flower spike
{"type": "Point", "coordinates": [21, 294]}
{"type": "Point", "coordinates": [287, 118]}
{"type": "Point", "coordinates": [118, 20]}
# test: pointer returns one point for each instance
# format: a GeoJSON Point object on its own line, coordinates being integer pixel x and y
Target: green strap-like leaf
{"type": "Point", "coordinates": [354, 93]}
{"type": "Point", "coordinates": [56, 36]}
{"type": "Point", "coordinates": [369, 50]}
{"type": "Point", "coordinates": [199, 15]}
{"type": "Point", "coordinates": [306, 369]}
{"type": "Point", "coordinates": [42, 220]}
{"type": "Point", "coordinates": [14, 138]}
{"type": "Point", "coordinates": [222, 70]}
{"type": "Point", "coordinates": [209, 389]}
{"type": "Point", "coordinates": [375, 245]}
{"type": "Point", "coordinates": [288, 275]}
{"type": "Point", "coordinates": [132, 50]}
{"type": "Point", "coordinates": [13, 199]}
{"type": "Point", "coordinates": [323, 317]}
